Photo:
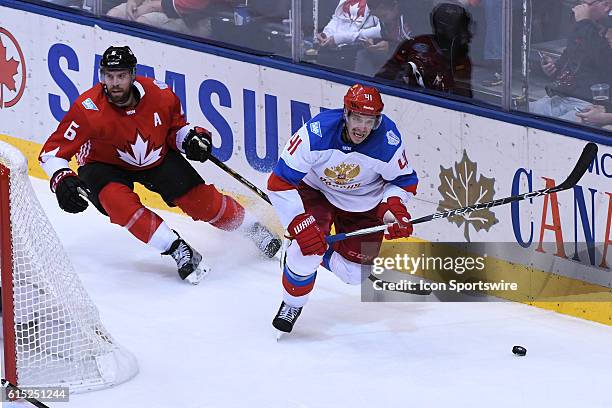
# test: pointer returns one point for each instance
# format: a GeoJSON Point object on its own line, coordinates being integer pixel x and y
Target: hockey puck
{"type": "Point", "coordinates": [519, 350]}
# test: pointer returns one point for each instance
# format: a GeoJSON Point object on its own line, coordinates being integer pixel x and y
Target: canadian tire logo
{"type": "Point", "coordinates": [12, 70]}
{"type": "Point", "coordinates": [462, 186]}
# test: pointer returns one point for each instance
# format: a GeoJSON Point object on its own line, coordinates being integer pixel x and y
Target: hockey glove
{"type": "Point", "coordinates": [305, 230]}
{"type": "Point", "coordinates": [68, 189]}
{"type": "Point", "coordinates": [394, 212]}
{"type": "Point", "coordinates": [198, 144]}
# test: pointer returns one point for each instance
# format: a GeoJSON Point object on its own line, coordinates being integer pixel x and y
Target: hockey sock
{"type": "Point", "coordinates": [296, 285]}
{"type": "Point", "coordinates": [205, 203]}
{"type": "Point", "coordinates": [163, 238]}
{"type": "Point", "coordinates": [124, 208]}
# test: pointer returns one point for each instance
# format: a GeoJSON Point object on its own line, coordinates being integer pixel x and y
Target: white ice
{"type": "Point", "coordinates": [213, 345]}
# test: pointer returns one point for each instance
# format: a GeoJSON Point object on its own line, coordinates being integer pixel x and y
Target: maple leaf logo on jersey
{"type": "Point", "coordinates": [343, 173]}
{"type": "Point", "coordinates": [140, 156]}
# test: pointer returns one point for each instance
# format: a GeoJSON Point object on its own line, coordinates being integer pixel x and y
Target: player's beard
{"type": "Point", "coordinates": [119, 98]}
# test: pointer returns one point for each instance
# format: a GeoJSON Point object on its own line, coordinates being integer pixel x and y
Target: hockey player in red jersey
{"type": "Point", "coordinates": [439, 62]}
{"type": "Point", "coordinates": [130, 129]}
{"type": "Point", "coordinates": [347, 167]}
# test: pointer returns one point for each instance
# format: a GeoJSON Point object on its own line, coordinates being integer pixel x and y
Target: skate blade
{"type": "Point", "coordinates": [199, 274]}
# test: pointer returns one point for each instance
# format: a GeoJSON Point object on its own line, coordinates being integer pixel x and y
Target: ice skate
{"type": "Point", "coordinates": [285, 318]}
{"type": "Point", "coordinates": [265, 240]}
{"type": "Point", "coordinates": [189, 261]}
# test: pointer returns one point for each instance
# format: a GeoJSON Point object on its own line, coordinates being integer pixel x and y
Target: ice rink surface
{"type": "Point", "coordinates": [213, 345]}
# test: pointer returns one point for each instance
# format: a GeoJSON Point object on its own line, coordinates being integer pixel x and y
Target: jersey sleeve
{"type": "Point", "coordinates": [295, 162]}
{"type": "Point", "coordinates": [72, 132]}
{"type": "Point", "coordinates": [179, 128]}
{"type": "Point", "coordinates": [400, 178]}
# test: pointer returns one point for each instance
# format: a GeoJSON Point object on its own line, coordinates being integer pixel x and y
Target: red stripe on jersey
{"type": "Point", "coordinates": [276, 183]}
{"type": "Point", "coordinates": [294, 142]}
{"type": "Point", "coordinates": [411, 188]}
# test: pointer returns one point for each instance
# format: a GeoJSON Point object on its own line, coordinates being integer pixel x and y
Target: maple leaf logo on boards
{"type": "Point", "coordinates": [9, 70]}
{"type": "Point", "coordinates": [461, 189]}
{"type": "Point", "coordinates": [140, 156]}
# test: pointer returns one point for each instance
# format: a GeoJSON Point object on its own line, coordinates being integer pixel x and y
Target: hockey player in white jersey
{"type": "Point", "coordinates": [347, 167]}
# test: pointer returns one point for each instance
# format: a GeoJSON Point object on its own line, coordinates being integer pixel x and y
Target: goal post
{"type": "Point", "coordinates": [52, 331]}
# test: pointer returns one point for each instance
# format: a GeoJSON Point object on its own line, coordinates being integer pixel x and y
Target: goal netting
{"type": "Point", "coordinates": [52, 331]}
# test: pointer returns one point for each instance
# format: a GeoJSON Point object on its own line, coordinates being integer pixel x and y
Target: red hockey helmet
{"type": "Point", "coordinates": [363, 99]}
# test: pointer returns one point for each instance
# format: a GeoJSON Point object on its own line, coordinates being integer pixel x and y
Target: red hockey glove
{"type": "Point", "coordinates": [69, 189]}
{"type": "Point", "coordinates": [394, 211]}
{"type": "Point", "coordinates": [198, 144]}
{"type": "Point", "coordinates": [305, 230]}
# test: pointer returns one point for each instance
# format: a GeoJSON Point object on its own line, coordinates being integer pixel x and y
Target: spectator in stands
{"type": "Point", "coordinates": [350, 27]}
{"type": "Point", "coordinates": [184, 16]}
{"type": "Point", "coordinates": [599, 115]}
{"type": "Point", "coordinates": [585, 61]}
{"type": "Point", "coordinates": [350, 23]}
{"type": "Point", "coordinates": [394, 29]}
{"type": "Point", "coordinates": [440, 61]}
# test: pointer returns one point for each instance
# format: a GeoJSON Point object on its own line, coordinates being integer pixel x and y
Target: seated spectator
{"type": "Point", "coordinates": [394, 29]}
{"type": "Point", "coordinates": [585, 61]}
{"type": "Point", "coordinates": [350, 23]}
{"type": "Point", "coordinates": [439, 61]}
{"type": "Point", "coordinates": [350, 27]}
{"type": "Point", "coordinates": [184, 16]}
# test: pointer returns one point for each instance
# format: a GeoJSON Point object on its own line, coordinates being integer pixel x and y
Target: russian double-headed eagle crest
{"type": "Point", "coordinates": [343, 173]}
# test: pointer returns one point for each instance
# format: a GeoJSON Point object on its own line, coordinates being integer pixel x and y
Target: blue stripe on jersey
{"type": "Point", "coordinates": [288, 174]}
{"type": "Point", "coordinates": [406, 180]}
{"type": "Point", "coordinates": [325, 133]}
{"type": "Point", "coordinates": [298, 280]}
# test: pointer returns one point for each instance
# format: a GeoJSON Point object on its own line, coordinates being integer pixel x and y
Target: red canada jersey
{"type": "Point", "coordinates": [96, 130]}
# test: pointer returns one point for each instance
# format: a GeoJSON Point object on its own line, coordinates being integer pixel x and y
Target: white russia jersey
{"type": "Point", "coordinates": [353, 177]}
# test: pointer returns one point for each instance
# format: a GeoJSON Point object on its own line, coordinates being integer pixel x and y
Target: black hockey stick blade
{"type": "Point", "coordinates": [584, 161]}
{"type": "Point", "coordinates": [586, 158]}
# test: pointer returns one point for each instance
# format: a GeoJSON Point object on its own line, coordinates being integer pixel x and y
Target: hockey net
{"type": "Point", "coordinates": [52, 331]}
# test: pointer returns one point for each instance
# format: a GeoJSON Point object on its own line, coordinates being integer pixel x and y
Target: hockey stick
{"type": "Point", "coordinates": [8, 386]}
{"type": "Point", "coordinates": [241, 179]}
{"type": "Point", "coordinates": [588, 154]}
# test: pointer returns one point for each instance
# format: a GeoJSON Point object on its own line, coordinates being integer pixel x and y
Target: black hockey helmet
{"type": "Point", "coordinates": [451, 22]}
{"type": "Point", "coordinates": [115, 58]}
